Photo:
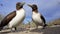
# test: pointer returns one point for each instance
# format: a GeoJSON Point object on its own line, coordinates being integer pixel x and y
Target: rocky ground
{"type": "Point", "coordinates": [47, 30]}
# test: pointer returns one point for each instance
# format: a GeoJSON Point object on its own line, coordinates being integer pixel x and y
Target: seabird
{"type": "Point", "coordinates": [14, 18]}
{"type": "Point", "coordinates": [37, 17]}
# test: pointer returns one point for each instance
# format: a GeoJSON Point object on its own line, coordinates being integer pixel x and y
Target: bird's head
{"type": "Point", "coordinates": [33, 6]}
{"type": "Point", "coordinates": [19, 5]}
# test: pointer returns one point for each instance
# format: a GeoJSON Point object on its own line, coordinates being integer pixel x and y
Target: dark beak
{"type": "Point", "coordinates": [30, 5]}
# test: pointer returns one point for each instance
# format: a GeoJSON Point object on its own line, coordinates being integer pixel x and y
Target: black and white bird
{"type": "Point", "coordinates": [14, 18]}
{"type": "Point", "coordinates": [37, 17]}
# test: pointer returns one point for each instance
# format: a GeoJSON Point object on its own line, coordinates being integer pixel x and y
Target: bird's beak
{"type": "Point", "coordinates": [30, 5]}
{"type": "Point", "coordinates": [22, 3]}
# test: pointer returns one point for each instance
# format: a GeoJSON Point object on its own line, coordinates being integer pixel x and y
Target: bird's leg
{"type": "Point", "coordinates": [43, 27]}
{"type": "Point", "coordinates": [13, 29]}
{"type": "Point", "coordinates": [36, 26]}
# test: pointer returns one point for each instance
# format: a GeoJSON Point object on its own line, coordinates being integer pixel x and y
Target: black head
{"type": "Point", "coordinates": [19, 5]}
{"type": "Point", "coordinates": [33, 6]}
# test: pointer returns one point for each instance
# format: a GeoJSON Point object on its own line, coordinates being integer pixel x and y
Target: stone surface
{"type": "Point", "coordinates": [47, 30]}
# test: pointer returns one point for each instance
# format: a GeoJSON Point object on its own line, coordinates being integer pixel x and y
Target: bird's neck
{"type": "Point", "coordinates": [36, 11]}
{"type": "Point", "coordinates": [19, 9]}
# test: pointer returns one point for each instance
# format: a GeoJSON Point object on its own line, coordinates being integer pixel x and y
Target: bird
{"type": "Point", "coordinates": [14, 18]}
{"type": "Point", "coordinates": [37, 17]}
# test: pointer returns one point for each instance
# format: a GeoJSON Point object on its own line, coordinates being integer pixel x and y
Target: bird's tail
{"type": "Point", "coordinates": [44, 26]}
{"type": "Point", "coordinates": [1, 28]}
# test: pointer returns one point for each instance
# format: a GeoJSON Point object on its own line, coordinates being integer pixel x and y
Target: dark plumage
{"type": "Point", "coordinates": [7, 19]}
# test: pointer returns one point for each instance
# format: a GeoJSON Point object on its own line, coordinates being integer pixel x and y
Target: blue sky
{"type": "Point", "coordinates": [50, 9]}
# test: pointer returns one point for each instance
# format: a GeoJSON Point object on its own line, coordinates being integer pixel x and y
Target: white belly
{"type": "Point", "coordinates": [36, 18]}
{"type": "Point", "coordinates": [20, 15]}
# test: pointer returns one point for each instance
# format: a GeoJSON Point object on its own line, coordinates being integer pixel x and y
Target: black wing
{"type": "Point", "coordinates": [7, 19]}
{"type": "Point", "coordinates": [43, 19]}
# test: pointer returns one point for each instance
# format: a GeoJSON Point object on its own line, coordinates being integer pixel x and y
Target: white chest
{"type": "Point", "coordinates": [20, 15]}
{"type": "Point", "coordinates": [36, 17]}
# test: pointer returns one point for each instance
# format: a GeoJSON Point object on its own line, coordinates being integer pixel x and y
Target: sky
{"type": "Point", "coordinates": [50, 9]}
